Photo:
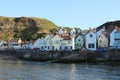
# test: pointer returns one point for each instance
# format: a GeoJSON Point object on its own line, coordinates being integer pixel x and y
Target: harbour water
{"type": "Point", "coordinates": [29, 70]}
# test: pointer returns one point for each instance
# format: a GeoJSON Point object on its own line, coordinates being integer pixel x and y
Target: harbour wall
{"type": "Point", "coordinates": [65, 56]}
{"type": "Point", "coordinates": [68, 56]}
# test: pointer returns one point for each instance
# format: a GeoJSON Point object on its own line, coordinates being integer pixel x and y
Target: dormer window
{"type": "Point", "coordinates": [91, 35]}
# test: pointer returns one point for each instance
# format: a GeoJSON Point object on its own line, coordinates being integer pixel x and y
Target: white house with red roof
{"type": "Point", "coordinates": [16, 44]}
{"type": "Point", "coordinates": [27, 44]}
{"type": "Point", "coordinates": [57, 42]}
{"type": "Point", "coordinates": [66, 42]}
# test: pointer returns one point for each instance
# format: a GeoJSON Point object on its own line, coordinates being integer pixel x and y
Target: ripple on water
{"type": "Point", "coordinates": [29, 70]}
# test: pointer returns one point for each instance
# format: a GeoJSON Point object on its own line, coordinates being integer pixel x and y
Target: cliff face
{"type": "Point", "coordinates": [109, 26]}
{"type": "Point", "coordinates": [25, 27]}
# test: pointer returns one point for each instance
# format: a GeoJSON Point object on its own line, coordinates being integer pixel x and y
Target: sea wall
{"type": "Point", "coordinates": [6, 53]}
{"type": "Point", "coordinates": [65, 56]}
{"type": "Point", "coordinates": [49, 55]}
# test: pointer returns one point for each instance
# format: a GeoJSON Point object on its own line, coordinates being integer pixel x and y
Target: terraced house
{"type": "Point", "coordinates": [57, 42]}
{"type": "Point", "coordinates": [90, 41]}
{"type": "Point", "coordinates": [79, 42]}
{"type": "Point", "coordinates": [102, 41]}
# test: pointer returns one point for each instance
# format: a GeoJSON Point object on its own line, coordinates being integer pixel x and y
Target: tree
{"type": "Point", "coordinates": [34, 36]}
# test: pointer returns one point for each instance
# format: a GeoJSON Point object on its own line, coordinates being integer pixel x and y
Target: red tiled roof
{"type": "Point", "coordinates": [27, 42]}
{"type": "Point", "coordinates": [13, 41]}
{"type": "Point", "coordinates": [66, 37]}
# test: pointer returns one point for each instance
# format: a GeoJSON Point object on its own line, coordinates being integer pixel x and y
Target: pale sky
{"type": "Point", "coordinates": [72, 13]}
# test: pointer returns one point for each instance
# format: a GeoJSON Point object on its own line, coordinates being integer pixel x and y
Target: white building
{"type": "Point", "coordinates": [100, 32]}
{"type": "Point", "coordinates": [37, 43]}
{"type": "Point", "coordinates": [58, 42]}
{"type": "Point", "coordinates": [112, 38]}
{"type": "Point", "coordinates": [67, 42]}
{"type": "Point", "coordinates": [62, 31]}
{"type": "Point", "coordinates": [1, 42]}
{"type": "Point", "coordinates": [73, 32]}
{"type": "Point", "coordinates": [27, 44]}
{"type": "Point", "coordinates": [90, 41]}
{"type": "Point", "coordinates": [43, 44]}
{"type": "Point", "coordinates": [117, 39]}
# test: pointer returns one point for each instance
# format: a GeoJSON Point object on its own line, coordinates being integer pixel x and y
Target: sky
{"type": "Point", "coordinates": [82, 14]}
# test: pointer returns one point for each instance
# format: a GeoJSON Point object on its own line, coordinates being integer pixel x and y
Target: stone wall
{"type": "Point", "coordinates": [63, 56]}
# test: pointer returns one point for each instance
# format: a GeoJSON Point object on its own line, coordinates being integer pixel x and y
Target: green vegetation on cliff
{"type": "Point", "coordinates": [25, 27]}
{"type": "Point", "coordinates": [29, 28]}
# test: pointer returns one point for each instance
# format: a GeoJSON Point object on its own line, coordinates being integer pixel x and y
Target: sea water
{"type": "Point", "coordinates": [30, 70]}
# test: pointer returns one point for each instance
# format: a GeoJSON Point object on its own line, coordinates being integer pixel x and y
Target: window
{"type": "Point", "coordinates": [57, 41]}
{"type": "Point", "coordinates": [91, 45]}
{"type": "Point", "coordinates": [79, 40]}
{"type": "Point", "coordinates": [48, 47]}
{"type": "Point", "coordinates": [105, 46]}
{"type": "Point", "coordinates": [80, 44]}
{"type": "Point", "coordinates": [91, 35]}
{"type": "Point", "coordinates": [69, 42]}
{"type": "Point", "coordinates": [65, 47]}
{"type": "Point", "coordinates": [100, 41]}
{"type": "Point", "coordinates": [99, 45]}
{"type": "Point", "coordinates": [53, 47]}
{"type": "Point", "coordinates": [60, 48]}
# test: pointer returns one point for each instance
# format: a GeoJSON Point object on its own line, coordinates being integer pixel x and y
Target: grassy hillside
{"type": "Point", "coordinates": [25, 27]}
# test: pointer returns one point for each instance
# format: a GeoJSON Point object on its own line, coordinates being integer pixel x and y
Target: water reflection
{"type": "Point", "coordinates": [28, 70]}
{"type": "Point", "coordinates": [73, 72]}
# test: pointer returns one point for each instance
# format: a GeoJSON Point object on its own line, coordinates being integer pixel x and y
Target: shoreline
{"type": "Point", "coordinates": [54, 57]}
